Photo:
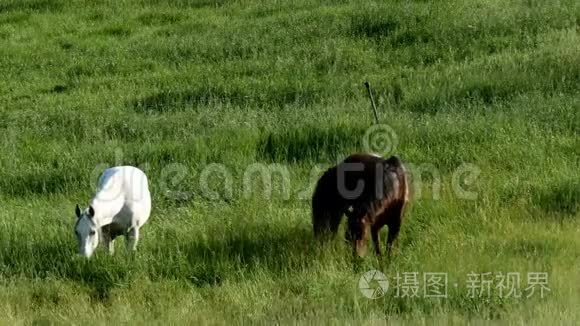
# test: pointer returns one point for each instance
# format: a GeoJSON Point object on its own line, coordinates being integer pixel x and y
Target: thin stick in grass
{"type": "Point", "coordinates": [368, 86]}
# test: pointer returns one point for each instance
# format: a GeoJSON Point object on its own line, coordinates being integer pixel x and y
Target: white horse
{"type": "Point", "coordinates": [121, 206]}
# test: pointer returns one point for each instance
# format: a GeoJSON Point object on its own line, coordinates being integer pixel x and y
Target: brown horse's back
{"type": "Point", "coordinates": [383, 179]}
{"type": "Point", "coordinates": [397, 179]}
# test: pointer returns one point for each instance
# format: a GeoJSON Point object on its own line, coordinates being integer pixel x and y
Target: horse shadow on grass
{"type": "Point", "coordinates": [58, 259]}
{"type": "Point", "coordinates": [234, 256]}
{"type": "Point", "coordinates": [562, 198]}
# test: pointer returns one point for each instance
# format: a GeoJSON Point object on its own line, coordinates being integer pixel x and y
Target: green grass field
{"type": "Point", "coordinates": [181, 88]}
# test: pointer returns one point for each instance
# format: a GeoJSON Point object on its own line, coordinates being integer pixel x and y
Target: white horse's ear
{"type": "Point", "coordinates": [78, 211]}
{"type": "Point", "coordinates": [91, 212]}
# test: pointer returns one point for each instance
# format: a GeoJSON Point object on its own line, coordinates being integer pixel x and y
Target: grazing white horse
{"type": "Point", "coordinates": [121, 205]}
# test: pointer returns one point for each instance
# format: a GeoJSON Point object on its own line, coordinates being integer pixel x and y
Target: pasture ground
{"type": "Point", "coordinates": [175, 86]}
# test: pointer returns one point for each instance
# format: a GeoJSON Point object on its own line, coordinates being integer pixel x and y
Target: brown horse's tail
{"type": "Point", "coordinates": [327, 205]}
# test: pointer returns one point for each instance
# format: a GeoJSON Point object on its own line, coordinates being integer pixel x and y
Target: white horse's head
{"type": "Point", "coordinates": [87, 232]}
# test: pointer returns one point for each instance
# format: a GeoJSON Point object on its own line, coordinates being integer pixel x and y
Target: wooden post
{"type": "Point", "coordinates": [368, 86]}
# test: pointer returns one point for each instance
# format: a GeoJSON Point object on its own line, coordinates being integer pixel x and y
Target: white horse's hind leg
{"type": "Point", "coordinates": [132, 238]}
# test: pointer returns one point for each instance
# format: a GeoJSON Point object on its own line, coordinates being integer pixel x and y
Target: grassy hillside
{"type": "Point", "coordinates": [192, 90]}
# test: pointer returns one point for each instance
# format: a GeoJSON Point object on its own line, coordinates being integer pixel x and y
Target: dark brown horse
{"type": "Point", "coordinates": [371, 191]}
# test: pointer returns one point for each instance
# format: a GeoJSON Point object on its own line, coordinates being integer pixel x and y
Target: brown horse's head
{"type": "Point", "coordinates": [358, 234]}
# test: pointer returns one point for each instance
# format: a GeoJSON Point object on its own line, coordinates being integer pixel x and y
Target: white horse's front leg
{"type": "Point", "coordinates": [108, 241]}
{"type": "Point", "coordinates": [132, 238]}
{"type": "Point", "coordinates": [110, 245]}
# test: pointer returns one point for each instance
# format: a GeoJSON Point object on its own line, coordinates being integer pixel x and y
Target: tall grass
{"type": "Point", "coordinates": [175, 86]}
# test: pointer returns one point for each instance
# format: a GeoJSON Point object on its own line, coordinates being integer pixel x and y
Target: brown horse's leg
{"type": "Point", "coordinates": [394, 229]}
{"type": "Point", "coordinates": [378, 224]}
{"type": "Point", "coordinates": [394, 223]}
{"type": "Point", "coordinates": [376, 239]}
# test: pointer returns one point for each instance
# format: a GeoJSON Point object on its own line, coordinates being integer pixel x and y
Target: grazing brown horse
{"type": "Point", "coordinates": [371, 191]}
